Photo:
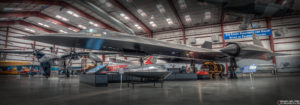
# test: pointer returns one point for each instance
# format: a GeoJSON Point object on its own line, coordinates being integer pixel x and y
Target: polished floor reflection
{"type": "Point", "coordinates": [68, 91]}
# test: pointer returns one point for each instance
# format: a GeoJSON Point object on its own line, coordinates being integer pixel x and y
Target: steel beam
{"type": "Point", "coordinates": [133, 17]}
{"type": "Point", "coordinates": [33, 59]}
{"type": "Point", "coordinates": [21, 30]}
{"type": "Point", "coordinates": [222, 26]}
{"type": "Point", "coordinates": [178, 19]}
{"type": "Point", "coordinates": [6, 36]}
{"type": "Point", "coordinates": [39, 15]}
{"type": "Point", "coordinates": [63, 4]}
{"type": "Point", "coordinates": [268, 21]}
{"type": "Point", "coordinates": [103, 58]}
{"type": "Point", "coordinates": [6, 40]}
{"type": "Point", "coordinates": [223, 39]}
{"type": "Point", "coordinates": [21, 22]}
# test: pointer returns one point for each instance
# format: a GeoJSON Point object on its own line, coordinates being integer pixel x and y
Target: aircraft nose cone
{"type": "Point", "coordinates": [230, 49]}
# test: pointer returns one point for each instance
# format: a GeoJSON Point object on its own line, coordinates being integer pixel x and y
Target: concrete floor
{"type": "Point", "coordinates": [68, 91]}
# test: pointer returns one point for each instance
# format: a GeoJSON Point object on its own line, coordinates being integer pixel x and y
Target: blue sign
{"type": "Point", "coordinates": [247, 34]}
{"type": "Point", "coordinates": [248, 69]}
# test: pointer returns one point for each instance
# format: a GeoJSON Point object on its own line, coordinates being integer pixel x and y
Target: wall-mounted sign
{"type": "Point", "coordinates": [249, 69]}
{"type": "Point", "coordinates": [247, 34]}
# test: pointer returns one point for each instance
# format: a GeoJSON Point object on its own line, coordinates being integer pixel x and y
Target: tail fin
{"type": "Point", "coordinates": [207, 45]}
{"type": "Point", "coordinates": [256, 40]}
{"type": "Point", "coordinates": [151, 60]}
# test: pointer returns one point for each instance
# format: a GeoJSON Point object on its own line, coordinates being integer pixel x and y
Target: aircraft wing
{"type": "Point", "coordinates": [128, 44]}
{"type": "Point", "coordinates": [16, 51]}
{"type": "Point", "coordinates": [87, 53]}
{"type": "Point", "coordinates": [173, 59]}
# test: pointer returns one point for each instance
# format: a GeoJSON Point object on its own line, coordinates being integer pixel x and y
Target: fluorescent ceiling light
{"type": "Point", "coordinates": [43, 25]}
{"type": "Point", "coordinates": [63, 31]}
{"type": "Point", "coordinates": [137, 26]}
{"type": "Point", "coordinates": [29, 30]}
{"type": "Point", "coordinates": [169, 20]}
{"type": "Point", "coordinates": [62, 18]}
{"type": "Point", "coordinates": [124, 16]}
{"type": "Point", "coordinates": [102, 1]}
{"type": "Point", "coordinates": [188, 18]}
{"type": "Point", "coordinates": [161, 8]}
{"type": "Point", "coordinates": [72, 29]}
{"type": "Point", "coordinates": [72, 13]}
{"type": "Point", "coordinates": [12, 9]}
{"type": "Point", "coordinates": [108, 4]}
{"type": "Point", "coordinates": [141, 12]}
{"type": "Point", "coordinates": [82, 26]}
{"type": "Point", "coordinates": [182, 4]}
{"type": "Point", "coordinates": [94, 24]}
{"type": "Point", "coordinates": [152, 24]}
{"type": "Point", "coordinates": [207, 15]}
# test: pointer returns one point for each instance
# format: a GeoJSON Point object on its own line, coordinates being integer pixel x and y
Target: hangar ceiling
{"type": "Point", "coordinates": [156, 15]}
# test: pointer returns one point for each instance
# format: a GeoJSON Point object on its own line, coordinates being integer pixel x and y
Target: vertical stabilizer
{"type": "Point", "coordinates": [256, 40]}
{"type": "Point", "coordinates": [151, 60]}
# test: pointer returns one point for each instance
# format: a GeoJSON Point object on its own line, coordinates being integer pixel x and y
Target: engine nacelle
{"type": "Point", "coordinates": [232, 49]}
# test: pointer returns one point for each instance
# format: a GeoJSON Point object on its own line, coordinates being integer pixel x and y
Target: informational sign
{"type": "Point", "coordinates": [247, 34]}
{"type": "Point", "coordinates": [249, 69]}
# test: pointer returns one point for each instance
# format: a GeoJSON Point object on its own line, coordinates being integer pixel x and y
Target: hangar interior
{"type": "Point", "coordinates": [181, 22]}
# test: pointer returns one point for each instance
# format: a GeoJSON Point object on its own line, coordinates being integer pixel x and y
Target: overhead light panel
{"type": "Point", "coordinates": [161, 8]}
{"type": "Point", "coordinates": [141, 12]}
{"type": "Point", "coordinates": [108, 4]}
{"type": "Point", "coordinates": [73, 29]}
{"type": "Point", "coordinates": [102, 1]}
{"type": "Point", "coordinates": [12, 9]}
{"type": "Point", "coordinates": [94, 24]}
{"type": "Point", "coordinates": [152, 24]}
{"type": "Point", "coordinates": [207, 15]}
{"type": "Point", "coordinates": [73, 14]}
{"type": "Point", "coordinates": [29, 30]}
{"type": "Point", "coordinates": [169, 20]}
{"type": "Point", "coordinates": [138, 26]}
{"type": "Point", "coordinates": [82, 26]}
{"type": "Point", "coordinates": [124, 16]}
{"type": "Point", "coordinates": [188, 18]}
{"type": "Point", "coordinates": [43, 25]}
{"type": "Point", "coordinates": [61, 18]}
{"type": "Point", "coordinates": [182, 4]}
{"type": "Point", "coordinates": [63, 31]}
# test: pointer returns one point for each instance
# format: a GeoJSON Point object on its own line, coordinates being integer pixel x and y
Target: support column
{"type": "Point", "coordinates": [33, 59]}
{"type": "Point", "coordinates": [223, 39]}
{"type": "Point", "coordinates": [271, 39]}
{"type": "Point", "coordinates": [103, 58]}
{"type": "Point", "coordinates": [6, 40]}
{"type": "Point", "coordinates": [54, 49]}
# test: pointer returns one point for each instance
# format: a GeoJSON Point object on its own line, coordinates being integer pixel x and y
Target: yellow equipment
{"type": "Point", "coordinates": [13, 63]}
{"type": "Point", "coordinates": [214, 69]}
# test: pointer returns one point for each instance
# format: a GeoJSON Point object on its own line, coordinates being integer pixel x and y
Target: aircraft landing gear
{"type": "Point", "coordinates": [232, 68]}
{"type": "Point", "coordinates": [47, 68]}
{"type": "Point", "coordinates": [141, 61]}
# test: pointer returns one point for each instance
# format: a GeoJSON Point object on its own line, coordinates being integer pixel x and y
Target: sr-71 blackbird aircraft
{"type": "Point", "coordinates": [102, 39]}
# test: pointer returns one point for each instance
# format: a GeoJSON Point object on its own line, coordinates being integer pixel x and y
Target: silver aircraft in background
{"type": "Point", "coordinates": [102, 39]}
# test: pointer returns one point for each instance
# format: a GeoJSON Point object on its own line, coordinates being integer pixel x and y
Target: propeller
{"type": "Point", "coordinates": [37, 52]}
